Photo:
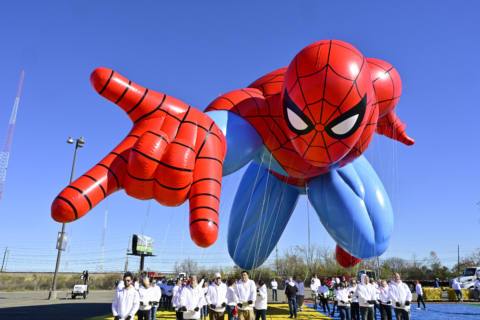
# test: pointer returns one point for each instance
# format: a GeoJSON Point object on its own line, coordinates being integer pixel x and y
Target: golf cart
{"type": "Point", "coordinates": [80, 290]}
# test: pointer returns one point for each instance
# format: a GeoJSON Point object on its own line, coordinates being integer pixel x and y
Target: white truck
{"type": "Point", "coordinates": [468, 277]}
{"type": "Point", "coordinates": [370, 273]}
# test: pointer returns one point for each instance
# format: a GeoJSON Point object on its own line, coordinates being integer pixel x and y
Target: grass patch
{"type": "Point", "coordinates": [65, 281]}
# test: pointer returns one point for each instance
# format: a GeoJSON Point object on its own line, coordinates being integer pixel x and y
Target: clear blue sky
{"type": "Point", "coordinates": [195, 50]}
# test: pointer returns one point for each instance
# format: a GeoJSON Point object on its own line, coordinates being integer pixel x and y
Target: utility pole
{"type": "Point", "coordinates": [104, 231]}
{"type": "Point", "coordinates": [126, 255]}
{"type": "Point", "coordinates": [52, 295]}
{"type": "Point", "coordinates": [4, 259]}
{"type": "Point", "coordinates": [378, 268]}
{"type": "Point", "coordinates": [276, 259]}
{"type": "Point", "coordinates": [142, 263]}
{"type": "Point", "coordinates": [308, 233]}
{"type": "Point", "coordinates": [309, 249]}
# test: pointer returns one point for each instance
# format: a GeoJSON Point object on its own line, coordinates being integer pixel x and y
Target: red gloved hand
{"type": "Point", "coordinates": [172, 153]}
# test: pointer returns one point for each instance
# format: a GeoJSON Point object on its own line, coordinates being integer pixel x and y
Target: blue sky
{"type": "Point", "coordinates": [195, 50]}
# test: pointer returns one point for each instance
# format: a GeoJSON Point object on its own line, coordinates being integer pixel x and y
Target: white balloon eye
{"type": "Point", "coordinates": [347, 123]}
{"type": "Point", "coordinates": [345, 126]}
{"type": "Point", "coordinates": [296, 121]}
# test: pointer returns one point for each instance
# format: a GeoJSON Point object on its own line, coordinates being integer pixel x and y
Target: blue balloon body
{"type": "Point", "coordinates": [351, 201]}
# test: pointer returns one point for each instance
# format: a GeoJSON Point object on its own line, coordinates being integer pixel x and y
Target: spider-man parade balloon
{"type": "Point", "coordinates": [301, 129]}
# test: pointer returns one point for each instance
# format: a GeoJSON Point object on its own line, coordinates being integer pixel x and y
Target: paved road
{"type": "Point", "coordinates": [33, 305]}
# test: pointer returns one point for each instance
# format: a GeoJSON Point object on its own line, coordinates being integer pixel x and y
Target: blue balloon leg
{"type": "Point", "coordinates": [354, 208]}
{"type": "Point", "coordinates": [261, 209]}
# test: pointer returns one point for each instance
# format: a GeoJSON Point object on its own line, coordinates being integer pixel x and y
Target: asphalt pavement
{"type": "Point", "coordinates": [34, 305]}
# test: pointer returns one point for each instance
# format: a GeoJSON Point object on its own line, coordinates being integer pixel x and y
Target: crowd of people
{"type": "Point", "coordinates": [243, 299]}
{"type": "Point", "coordinates": [191, 298]}
{"type": "Point", "coordinates": [366, 299]}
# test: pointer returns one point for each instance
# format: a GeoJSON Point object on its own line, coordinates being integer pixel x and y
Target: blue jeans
{"type": "Point", "coordinates": [344, 312]}
{"type": "Point", "coordinates": [334, 305]}
{"type": "Point", "coordinates": [260, 314]}
{"type": "Point", "coordinates": [204, 311]}
{"type": "Point", "coordinates": [292, 306]}
{"type": "Point", "coordinates": [315, 301]}
{"type": "Point", "coordinates": [459, 295]}
{"type": "Point", "coordinates": [153, 313]}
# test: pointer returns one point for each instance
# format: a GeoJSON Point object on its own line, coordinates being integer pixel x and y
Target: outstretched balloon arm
{"type": "Point", "coordinates": [391, 126]}
{"type": "Point", "coordinates": [174, 152]}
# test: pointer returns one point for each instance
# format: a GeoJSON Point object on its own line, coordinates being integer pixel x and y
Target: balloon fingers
{"type": "Point", "coordinates": [90, 189]}
{"type": "Point", "coordinates": [206, 189]}
{"type": "Point", "coordinates": [145, 156]}
{"type": "Point", "coordinates": [136, 100]}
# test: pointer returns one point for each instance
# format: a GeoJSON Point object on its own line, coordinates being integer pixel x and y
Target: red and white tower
{"type": "Point", "coordinates": [5, 153]}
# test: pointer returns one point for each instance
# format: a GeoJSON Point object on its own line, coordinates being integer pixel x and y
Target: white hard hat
{"type": "Point", "coordinates": [217, 275]}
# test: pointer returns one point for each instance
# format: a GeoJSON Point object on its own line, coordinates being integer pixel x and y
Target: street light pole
{"type": "Point", "coordinates": [52, 295]}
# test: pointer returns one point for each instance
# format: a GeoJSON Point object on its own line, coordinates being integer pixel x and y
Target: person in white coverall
{"type": "Point", "coordinates": [176, 292]}
{"type": "Point", "coordinates": [367, 294]}
{"type": "Point", "coordinates": [354, 306]}
{"type": "Point", "coordinates": [274, 285]}
{"type": "Point", "coordinates": [204, 309]}
{"type": "Point", "coordinates": [232, 299]}
{"type": "Point", "coordinates": [385, 301]}
{"type": "Point", "coordinates": [401, 298]}
{"type": "Point", "coordinates": [148, 295]}
{"type": "Point", "coordinates": [157, 295]}
{"type": "Point", "coordinates": [191, 299]}
{"type": "Point", "coordinates": [342, 296]}
{"type": "Point", "coordinates": [126, 301]}
{"type": "Point", "coordinates": [419, 291]}
{"type": "Point", "coordinates": [246, 292]}
{"type": "Point", "coordinates": [300, 294]}
{"type": "Point", "coordinates": [261, 301]}
{"type": "Point", "coordinates": [217, 298]}
{"type": "Point", "coordinates": [457, 287]}
{"type": "Point", "coordinates": [314, 284]}
{"type": "Point", "coordinates": [324, 293]}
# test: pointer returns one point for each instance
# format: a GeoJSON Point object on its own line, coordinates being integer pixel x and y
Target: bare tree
{"type": "Point", "coordinates": [472, 260]}
{"type": "Point", "coordinates": [188, 266]}
{"type": "Point", "coordinates": [395, 264]}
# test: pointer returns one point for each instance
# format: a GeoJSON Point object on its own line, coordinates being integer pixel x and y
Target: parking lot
{"type": "Point", "coordinates": [34, 305]}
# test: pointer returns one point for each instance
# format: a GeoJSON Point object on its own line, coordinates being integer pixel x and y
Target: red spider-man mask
{"type": "Point", "coordinates": [328, 99]}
